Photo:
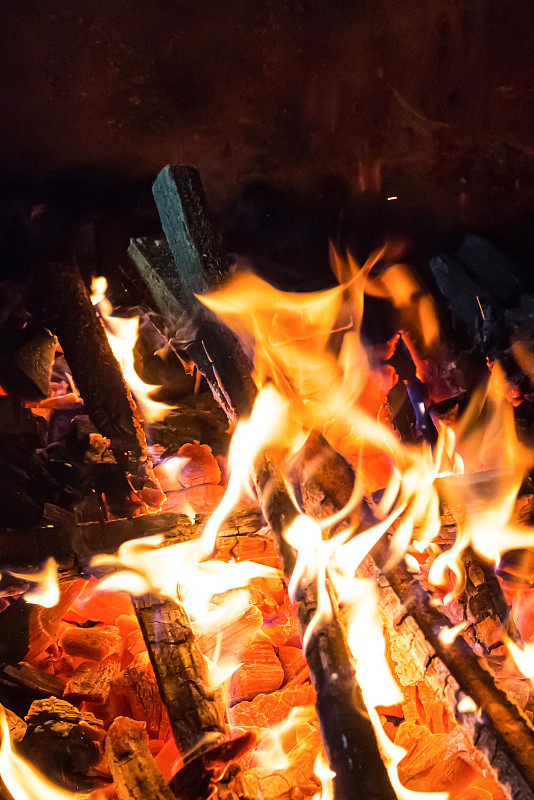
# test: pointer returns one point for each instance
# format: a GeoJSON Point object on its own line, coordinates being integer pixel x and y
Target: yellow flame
{"type": "Point", "coordinates": [122, 336]}
{"type": "Point", "coordinates": [448, 635]}
{"type": "Point", "coordinates": [393, 755]}
{"type": "Point", "coordinates": [22, 780]}
{"type": "Point", "coordinates": [47, 592]}
{"type": "Point", "coordinates": [272, 754]}
{"type": "Point", "coordinates": [321, 769]}
{"type": "Point", "coordinates": [523, 657]}
{"type": "Point", "coordinates": [467, 704]}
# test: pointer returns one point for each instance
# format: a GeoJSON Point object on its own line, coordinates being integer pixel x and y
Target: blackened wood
{"type": "Point", "coordinates": [74, 546]}
{"type": "Point", "coordinates": [132, 766]}
{"type": "Point", "coordinates": [199, 776]}
{"type": "Point", "coordinates": [60, 296]}
{"type": "Point", "coordinates": [192, 329]}
{"type": "Point", "coordinates": [346, 730]}
{"type": "Point", "coordinates": [32, 679]}
{"type": "Point", "coordinates": [182, 208]}
{"type": "Point", "coordinates": [195, 714]}
{"type": "Point", "coordinates": [483, 597]}
{"type": "Point", "coordinates": [63, 743]}
{"type": "Point", "coordinates": [347, 733]}
{"type": "Point", "coordinates": [15, 631]}
{"type": "Point", "coordinates": [26, 358]}
{"type": "Point", "coordinates": [500, 731]}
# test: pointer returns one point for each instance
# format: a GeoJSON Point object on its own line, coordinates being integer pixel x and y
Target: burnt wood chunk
{"type": "Point", "coordinates": [195, 714]}
{"type": "Point", "coordinates": [192, 329]}
{"type": "Point", "coordinates": [92, 680]}
{"type": "Point", "coordinates": [132, 766]}
{"type": "Point", "coordinates": [26, 358]}
{"type": "Point", "coordinates": [182, 207]}
{"type": "Point", "coordinates": [63, 743]}
{"type": "Point", "coordinates": [61, 297]}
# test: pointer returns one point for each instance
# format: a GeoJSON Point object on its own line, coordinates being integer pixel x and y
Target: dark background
{"type": "Point", "coordinates": [341, 103]}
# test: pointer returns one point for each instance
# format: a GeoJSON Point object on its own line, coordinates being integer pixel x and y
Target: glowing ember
{"type": "Point", "coordinates": [313, 374]}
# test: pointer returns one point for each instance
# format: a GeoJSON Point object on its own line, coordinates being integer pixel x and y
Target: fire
{"type": "Point", "coordinates": [122, 336]}
{"type": "Point", "coordinates": [326, 776]}
{"type": "Point", "coordinates": [313, 374]}
{"type": "Point", "coordinates": [46, 593]}
{"type": "Point", "coordinates": [21, 779]}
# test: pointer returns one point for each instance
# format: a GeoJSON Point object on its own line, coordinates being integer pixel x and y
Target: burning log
{"type": "Point", "coordinates": [64, 743]}
{"type": "Point", "coordinates": [498, 729]}
{"type": "Point", "coordinates": [180, 671]}
{"type": "Point", "coordinates": [347, 733]}
{"type": "Point", "coordinates": [135, 775]}
{"type": "Point", "coordinates": [60, 296]}
{"type": "Point", "coordinates": [189, 326]}
{"type": "Point", "coordinates": [195, 713]}
{"type": "Point", "coordinates": [74, 546]}
{"type": "Point", "coordinates": [502, 734]}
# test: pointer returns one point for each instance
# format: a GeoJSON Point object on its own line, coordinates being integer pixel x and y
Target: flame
{"type": "Point", "coordinates": [523, 657]}
{"type": "Point", "coordinates": [272, 753]}
{"type": "Point", "coordinates": [47, 592]}
{"type": "Point", "coordinates": [168, 472]}
{"type": "Point", "coordinates": [122, 336]}
{"type": "Point", "coordinates": [22, 780]}
{"type": "Point", "coordinates": [448, 635]}
{"type": "Point", "coordinates": [177, 572]}
{"type": "Point", "coordinates": [322, 771]}
{"type": "Point", "coordinates": [467, 705]}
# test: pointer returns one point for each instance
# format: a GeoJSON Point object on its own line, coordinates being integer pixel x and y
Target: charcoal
{"type": "Point", "coordinates": [461, 291]}
{"type": "Point", "coordinates": [186, 425]}
{"type": "Point", "coordinates": [497, 273]}
{"type": "Point", "coordinates": [58, 744]}
{"type": "Point", "coordinates": [43, 684]}
{"type": "Point", "coordinates": [26, 358]}
{"type": "Point", "coordinates": [14, 631]}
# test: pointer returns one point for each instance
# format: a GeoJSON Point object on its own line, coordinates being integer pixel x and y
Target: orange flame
{"type": "Point", "coordinates": [46, 593]}
{"type": "Point", "coordinates": [122, 336]}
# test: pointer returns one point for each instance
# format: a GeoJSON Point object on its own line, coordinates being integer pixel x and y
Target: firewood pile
{"type": "Point", "coordinates": [113, 679]}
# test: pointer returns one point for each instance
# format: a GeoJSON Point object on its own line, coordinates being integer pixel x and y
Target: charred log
{"type": "Point", "coordinates": [347, 733]}
{"type": "Point", "coordinates": [499, 729]}
{"type": "Point", "coordinates": [61, 298]}
{"type": "Point", "coordinates": [180, 671]}
{"type": "Point", "coordinates": [135, 775]}
{"type": "Point", "coordinates": [63, 743]}
{"type": "Point", "coordinates": [74, 546]}
{"type": "Point", "coordinates": [195, 268]}
{"type": "Point", "coordinates": [195, 712]}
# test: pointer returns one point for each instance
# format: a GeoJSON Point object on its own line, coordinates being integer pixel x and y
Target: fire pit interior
{"type": "Point", "coordinates": [267, 422]}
